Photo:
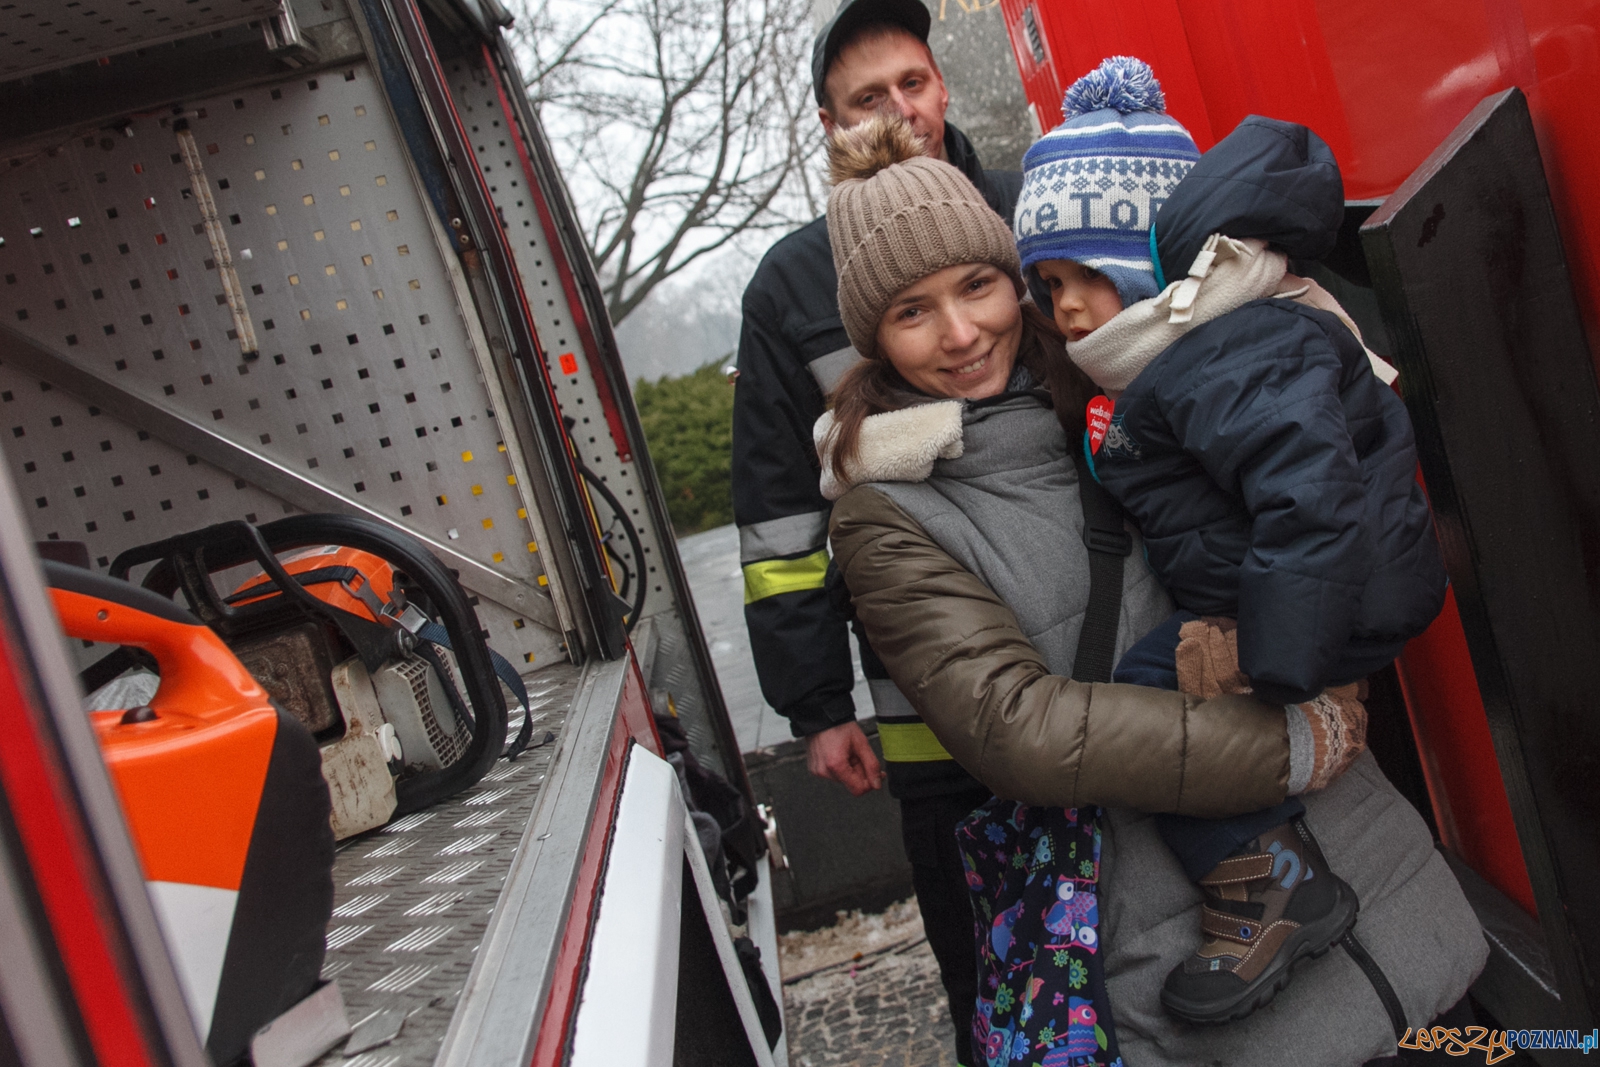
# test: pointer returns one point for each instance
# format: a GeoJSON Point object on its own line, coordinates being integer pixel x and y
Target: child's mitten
{"type": "Point", "coordinates": [1326, 734]}
{"type": "Point", "coordinates": [1208, 658]}
{"type": "Point", "coordinates": [1332, 731]}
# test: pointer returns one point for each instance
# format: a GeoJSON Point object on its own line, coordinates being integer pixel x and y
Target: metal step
{"type": "Point", "coordinates": [413, 900]}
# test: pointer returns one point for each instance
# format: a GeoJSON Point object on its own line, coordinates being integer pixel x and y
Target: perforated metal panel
{"type": "Point", "coordinates": [478, 103]}
{"type": "Point", "coordinates": [494, 131]}
{"type": "Point", "coordinates": [368, 386]}
{"type": "Point", "coordinates": [46, 34]}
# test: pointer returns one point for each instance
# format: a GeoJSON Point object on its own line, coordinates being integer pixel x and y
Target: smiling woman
{"type": "Point", "coordinates": [955, 332]}
{"type": "Point", "coordinates": [929, 286]}
{"type": "Point", "coordinates": [998, 584]}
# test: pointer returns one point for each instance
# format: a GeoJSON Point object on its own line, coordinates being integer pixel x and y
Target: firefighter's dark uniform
{"type": "Point", "coordinates": [792, 351]}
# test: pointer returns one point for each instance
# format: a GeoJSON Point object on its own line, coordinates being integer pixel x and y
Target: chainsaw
{"type": "Point", "coordinates": [361, 635]}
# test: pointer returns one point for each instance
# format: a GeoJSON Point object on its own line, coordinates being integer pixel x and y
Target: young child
{"type": "Point", "coordinates": [1268, 466]}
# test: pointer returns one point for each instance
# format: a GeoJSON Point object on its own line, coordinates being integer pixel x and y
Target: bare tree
{"type": "Point", "coordinates": [679, 125]}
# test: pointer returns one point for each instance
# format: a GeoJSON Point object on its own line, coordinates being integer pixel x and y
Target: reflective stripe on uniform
{"type": "Point", "coordinates": [828, 369]}
{"type": "Point", "coordinates": [773, 576]}
{"type": "Point", "coordinates": [904, 736]}
{"type": "Point", "coordinates": [783, 537]}
{"type": "Point", "coordinates": [910, 742]}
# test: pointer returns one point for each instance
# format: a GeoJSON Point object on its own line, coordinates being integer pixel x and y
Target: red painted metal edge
{"type": "Point", "coordinates": [555, 1028]}
{"type": "Point", "coordinates": [569, 283]}
{"type": "Point", "coordinates": [633, 723]}
{"type": "Point", "coordinates": [38, 791]}
{"type": "Point", "coordinates": [636, 707]}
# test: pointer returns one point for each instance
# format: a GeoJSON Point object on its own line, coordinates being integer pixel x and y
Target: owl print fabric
{"type": "Point", "coordinates": [1034, 875]}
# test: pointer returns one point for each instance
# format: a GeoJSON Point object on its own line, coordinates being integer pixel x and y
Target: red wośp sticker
{"type": "Point", "coordinates": [1098, 419]}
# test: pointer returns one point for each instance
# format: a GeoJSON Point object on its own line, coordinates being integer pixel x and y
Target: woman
{"type": "Point", "coordinates": [957, 530]}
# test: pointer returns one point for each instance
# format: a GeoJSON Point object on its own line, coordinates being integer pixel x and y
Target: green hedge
{"type": "Point", "coordinates": [688, 423]}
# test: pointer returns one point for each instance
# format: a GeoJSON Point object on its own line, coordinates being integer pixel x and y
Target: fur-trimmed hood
{"type": "Point", "coordinates": [895, 446]}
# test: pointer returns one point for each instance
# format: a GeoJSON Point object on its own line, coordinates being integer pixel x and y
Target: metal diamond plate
{"type": "Point", "coordinates": [368, 382]}
{"type": "Point", "coordinates": [412, 900]}
{"type": "Point", "coordinates": [46, 34]}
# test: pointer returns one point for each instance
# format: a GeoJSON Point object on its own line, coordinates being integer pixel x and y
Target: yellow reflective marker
{"type": "Point", "coordinates": [910, 742]}
{"type": "Point", "coordinates": [543, 580]}
{"type": "Point", "coordinates": [511, 479]}
{"type": "Point", "coordinates": [533, 546]}
{"type": "Point", "coordinates": [488, 524]}
{"type": "Point", "coordinates": [477, 490]}
{"type": "Point", "coordinates": [498, 557]}
{"type": "Point", "coordinates": [522, 513]}
{"type": "Point", "coordinates": [466, 457]}
{"type": "Point", "coordinates": [773, 576]}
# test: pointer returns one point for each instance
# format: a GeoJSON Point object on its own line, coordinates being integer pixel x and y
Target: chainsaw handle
{"type": "Point", "coordinates": [200, 676]}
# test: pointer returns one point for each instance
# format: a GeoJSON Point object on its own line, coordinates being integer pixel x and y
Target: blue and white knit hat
{"type": "Point", "coordinates": [1091, 187]}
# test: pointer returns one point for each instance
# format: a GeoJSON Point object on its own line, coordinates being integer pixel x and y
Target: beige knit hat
{"type": "Point", "coordinates": [896, 215]}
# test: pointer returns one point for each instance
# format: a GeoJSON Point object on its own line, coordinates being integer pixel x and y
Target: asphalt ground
{"type": "Point", "coordinates": [711, 560]}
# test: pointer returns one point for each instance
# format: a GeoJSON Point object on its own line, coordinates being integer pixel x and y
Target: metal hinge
{"type": "Point", "coordinates": [284, 39]}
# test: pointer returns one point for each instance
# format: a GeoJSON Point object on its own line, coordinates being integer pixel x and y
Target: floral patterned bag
{"type": "Point", "coordinates": [1034, 875]}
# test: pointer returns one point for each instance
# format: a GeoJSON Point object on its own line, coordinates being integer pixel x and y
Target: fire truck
{"type": "Point", "coordinates": [1470, 255]}
{"type": "Point", "coordinates": [427, 764]}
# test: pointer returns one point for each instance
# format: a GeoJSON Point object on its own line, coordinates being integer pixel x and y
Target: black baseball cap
{"type": "Point", "coordinates": [853, 14]}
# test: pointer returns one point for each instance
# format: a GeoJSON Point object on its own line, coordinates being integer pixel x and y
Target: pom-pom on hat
{"type": "Point", "coordinates": [896, 215]}
{"type": "Point", "coordinates": [1091, 187]}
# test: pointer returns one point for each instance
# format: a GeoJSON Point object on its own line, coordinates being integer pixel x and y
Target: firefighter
{"type": "Point", "coordinates": [872, 55]}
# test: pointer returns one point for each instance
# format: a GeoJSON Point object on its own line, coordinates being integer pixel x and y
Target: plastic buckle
{"type": "Point", "coordinates": [1110, 542]}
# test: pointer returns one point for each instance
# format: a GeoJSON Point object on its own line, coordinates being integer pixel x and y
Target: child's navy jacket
{"type": "Point", "coordinates": [1270, 471]}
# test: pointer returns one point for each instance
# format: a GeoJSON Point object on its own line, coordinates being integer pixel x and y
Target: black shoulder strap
{"type": "Point", "coordinates": [1109, 545]}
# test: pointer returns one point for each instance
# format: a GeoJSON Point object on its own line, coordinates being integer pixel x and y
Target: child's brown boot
{"type": "Point", "coordinates": [1272, 902]}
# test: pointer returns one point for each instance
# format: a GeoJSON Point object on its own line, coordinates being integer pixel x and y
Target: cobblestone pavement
{"type": "Point", "coordinates": [866, 993]}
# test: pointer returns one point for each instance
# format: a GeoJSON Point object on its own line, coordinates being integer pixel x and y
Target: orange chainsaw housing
{"type": "Point", "coordinates": [224, 798]}
{"type": "Point", "coordinates": [369, 569]}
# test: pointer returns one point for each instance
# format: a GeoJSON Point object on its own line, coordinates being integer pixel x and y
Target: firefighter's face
{"type": "Point", "coordinates": [955, 333]}
{"type": "Point", "coordinates": [887, 69]}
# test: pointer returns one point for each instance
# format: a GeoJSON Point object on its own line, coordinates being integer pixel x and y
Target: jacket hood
{"type": "Point", "coordinates": [1276, 181]}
